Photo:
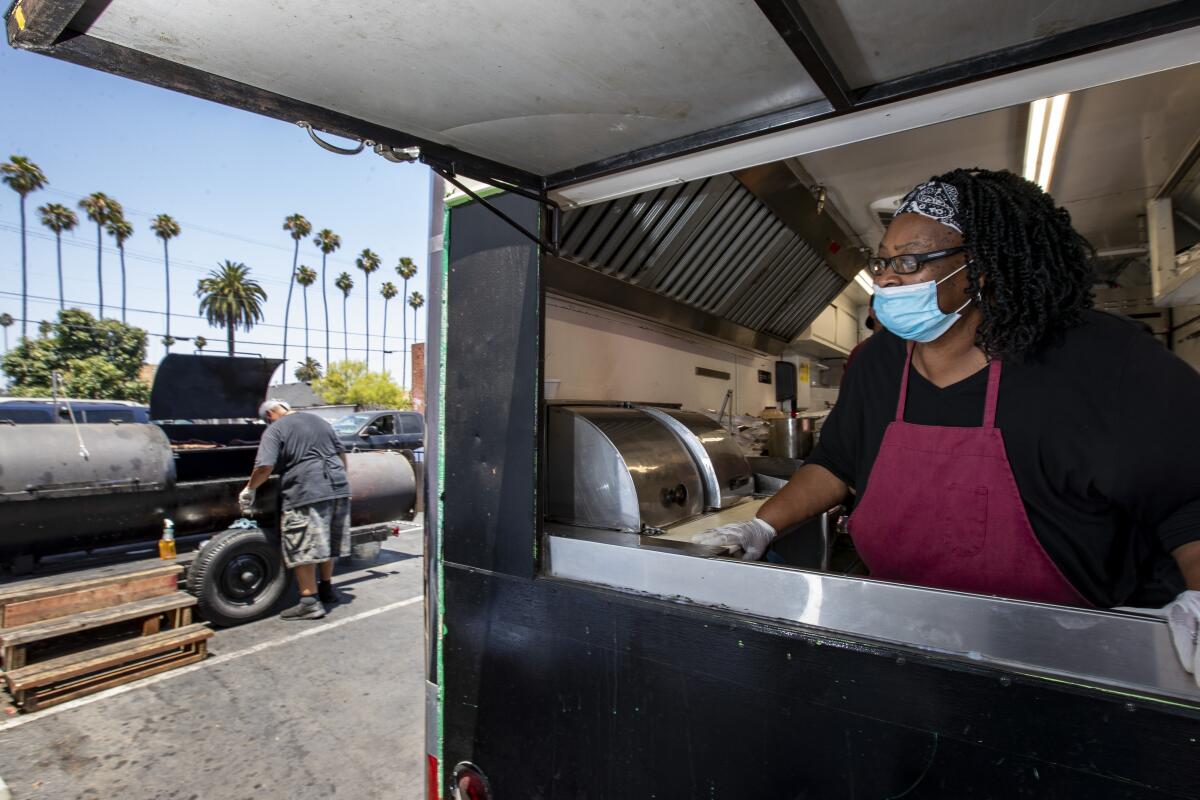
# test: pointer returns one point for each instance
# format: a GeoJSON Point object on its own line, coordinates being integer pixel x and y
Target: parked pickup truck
{"type": "Point", "coordinates": [381, 430]}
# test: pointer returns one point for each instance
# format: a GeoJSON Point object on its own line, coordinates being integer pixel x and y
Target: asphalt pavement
{"type": "Point", "coordinates": [332, 708]}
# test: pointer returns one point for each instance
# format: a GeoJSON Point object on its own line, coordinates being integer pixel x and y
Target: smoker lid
{"type": "Point", "coordinates": [210, 387]}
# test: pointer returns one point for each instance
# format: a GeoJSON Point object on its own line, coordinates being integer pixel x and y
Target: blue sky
{"type": "Point", "coordinates": [228, 177]}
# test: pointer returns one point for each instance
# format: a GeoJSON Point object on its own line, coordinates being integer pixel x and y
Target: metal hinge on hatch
{"type": "Point", "coordinates": [446, 169]}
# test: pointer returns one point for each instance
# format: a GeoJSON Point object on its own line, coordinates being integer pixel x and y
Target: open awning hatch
{"type": "Point", "coordinates": [583, 102]}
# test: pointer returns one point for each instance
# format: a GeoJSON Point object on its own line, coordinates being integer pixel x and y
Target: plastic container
{"type": "Point", "coordinates": [550, 388]}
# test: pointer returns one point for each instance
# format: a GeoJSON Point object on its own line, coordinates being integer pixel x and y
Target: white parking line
{"type": "Point", "coordinates": [209, 662]}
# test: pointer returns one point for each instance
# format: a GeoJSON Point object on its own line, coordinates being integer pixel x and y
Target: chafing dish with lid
{"type": "Point", "coordinates": [638, 468]}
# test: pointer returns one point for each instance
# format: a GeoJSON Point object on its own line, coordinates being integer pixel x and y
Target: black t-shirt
{"type": "Point", "coordinates": [304, 449]}
{"type": "Point", "coordinates": [1102, 432]}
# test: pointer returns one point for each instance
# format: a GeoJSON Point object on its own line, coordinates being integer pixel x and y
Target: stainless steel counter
{"type": "Point", "coordinates": [1110, 650]}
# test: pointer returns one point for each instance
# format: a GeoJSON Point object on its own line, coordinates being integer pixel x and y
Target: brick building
{"type": "Point", "coordinates": [417, 378]}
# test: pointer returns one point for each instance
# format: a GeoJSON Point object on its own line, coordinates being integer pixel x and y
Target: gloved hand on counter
{"type": "Point", "coordinates": [1183, 618]}
{"type": "Point", "coordinates": [246, 500]}
{"type": "Point", "coordinates": [750, 538]}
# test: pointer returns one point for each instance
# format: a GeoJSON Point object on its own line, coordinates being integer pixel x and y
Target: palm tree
{"type": "Point", "coordinates": [23, 176]}
{"type": "Point", "coordinates": [58, 218]}
{"type": "Point", "coordinates": [407, 270]}
{"type": "Point", "coordinates": [121, 229]}
{"type": "Point", "coordinates": [166, 228]}
{"type": "Point", "coordinates": [299, 228]}
{"type": "Point", "coordinates": [200, 343]}
{"type": "Point", "coordinates": [6, 321]}
{"type": "Point", "coordinates": [368, 261]}
{"type": "Point", "coordinates": [100, 208]}
{"type": "Point", "coordinates": [327, 241]}
{"type": "Point", "coordinates": [388, 290]}
{"type": "Point", "coordinates": [229, 297]}
{"type": "Point", "coordinates": [308, 371]}
{"type": "Point", "coordinates": [416, 301]}
{"type": "Point", "coordinates": [345, 283]}
{"type": "Point", "coordinates": [306, 277]}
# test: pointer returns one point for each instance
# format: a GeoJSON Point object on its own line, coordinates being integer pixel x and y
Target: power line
{"type": "Point", "coordinates": [135, 255]}
{"type": "Point", "coordinates": [44, 298]}
{"type": "Point", "coordinates": [78, 327]}
{"type": "Point", "coordinates": [188, 225]}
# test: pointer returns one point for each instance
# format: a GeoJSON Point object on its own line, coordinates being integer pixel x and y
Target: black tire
{"type": "Point", "coordinates": [238, 576]}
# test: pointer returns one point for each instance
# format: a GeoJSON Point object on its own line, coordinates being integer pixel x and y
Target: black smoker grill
{"type": "Point", "coordinates": [65, 488]}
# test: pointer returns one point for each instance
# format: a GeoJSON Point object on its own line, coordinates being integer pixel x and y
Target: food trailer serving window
{"type": "Point", "coordinates": [620, 509]}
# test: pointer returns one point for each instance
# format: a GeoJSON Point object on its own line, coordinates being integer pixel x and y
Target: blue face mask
{"type": "Point", "coordinates": [911, 312]}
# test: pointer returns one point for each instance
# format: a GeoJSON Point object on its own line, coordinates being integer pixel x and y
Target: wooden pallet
{"type": "Point", "coordinates": [67, 677]}
{"type": "Point", "coordinates": [69, 635]}
{"type": "Point", "coordinates": [60, 595]}
{"type": "Point", "coordinates": [149, 616]}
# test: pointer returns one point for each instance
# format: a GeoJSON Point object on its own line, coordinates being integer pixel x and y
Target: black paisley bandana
{"type": "Point", "coordinates": [933, 199]}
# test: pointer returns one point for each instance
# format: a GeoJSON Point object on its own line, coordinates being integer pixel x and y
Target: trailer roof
{"type": "Point", "coordinates": [548, 96]}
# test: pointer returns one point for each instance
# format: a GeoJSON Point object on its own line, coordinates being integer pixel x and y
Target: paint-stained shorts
{"type": "Point", "coordinates": [316, 532]}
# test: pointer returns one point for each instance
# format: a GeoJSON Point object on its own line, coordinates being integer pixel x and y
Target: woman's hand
{"type": "Point", "coordinates": [750, 538]}
{"type": "Point", "coordinates": [1183, 618]}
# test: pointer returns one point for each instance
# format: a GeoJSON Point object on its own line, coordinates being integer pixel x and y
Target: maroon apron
{"type": "Point", "coordinates": [942, 509]}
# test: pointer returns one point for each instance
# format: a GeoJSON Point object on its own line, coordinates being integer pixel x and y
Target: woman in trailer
{"type": "Point", "coordinates": [1001, 435]}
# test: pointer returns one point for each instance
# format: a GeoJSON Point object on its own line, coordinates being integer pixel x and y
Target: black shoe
{"type": "Point", "coordinates": [304, 610]}
{"type": "Point", "coordinates": [326, 593]}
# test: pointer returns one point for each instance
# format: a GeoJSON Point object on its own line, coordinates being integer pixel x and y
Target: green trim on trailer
{"type": "Point", "coordinates": [441, 482]}
{"type": "Point", "coordinates": [462, 199]}
{"type": "Point", "coordinates": [1145, 698]}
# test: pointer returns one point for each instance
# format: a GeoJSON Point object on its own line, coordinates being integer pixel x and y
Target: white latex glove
{"type": "Point", "coordinates": [246, 500]}
{"type": "Point", "coordinates": [1183, 618]}
{"type": "Point", "coordinates": [750, 538]}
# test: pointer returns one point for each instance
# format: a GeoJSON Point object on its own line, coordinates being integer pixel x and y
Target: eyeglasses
{"type": "Point", "coordinates": [908, 263]}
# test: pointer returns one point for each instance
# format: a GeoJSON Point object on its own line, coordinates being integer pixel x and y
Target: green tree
{"type": "Point", "coordinates": [229, 297]}
{"type": "Point", "coordinates": [350, 382]}
{"type": "Point", "coordinates": [23, 177]}
{"type": "Point", "coordinates": [200, 343]}
{"type": "Point", "coordinates": [58, 218]}
{"type": "Point", "coordinates": [368, 261]}
{"type": "Point", "coordinates": [309, 370]}
{"type": "Point", "coordinates": [100, 208]}
{"type": "Point", "coordinates": [121, 229]}
{"type": "Point", "coordinates": [388, 291]}
{"type": "Point", "coordinates": [166, 228]}
{"type": "Point", "coordinates": [407, 270]}
{"type": "Point", "coordinates": [6, 321]}
{"type": "Point", "coordinates": [100, 359]}
{"type": "Point", "coordinates": [327, 241]}
{"type": "Point", "coordinates": [306, 277]}
{"type": "Point", "coordinates": [345, 283]}
{"type": "Point", "coordinates": [298, 228]}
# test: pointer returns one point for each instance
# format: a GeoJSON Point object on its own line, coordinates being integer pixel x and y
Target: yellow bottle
{"type": "Point", "coordinates": [166, 545]}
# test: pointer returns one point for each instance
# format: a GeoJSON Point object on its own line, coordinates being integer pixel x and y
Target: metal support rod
{"type": "Point", "coordinates": [794, 27]}
{"type": "Point", "coordinates": [1180, 171]}
{"type": "Point", "coordinates": [725, 404]}
{"type": "Point", "coordinates": [549, 246]}
{"type": "Point", "coordinates": [1190, 220]}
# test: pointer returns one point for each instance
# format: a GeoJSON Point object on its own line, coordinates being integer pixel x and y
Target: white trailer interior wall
{"type": "Point", "coordinates": [600, 354]}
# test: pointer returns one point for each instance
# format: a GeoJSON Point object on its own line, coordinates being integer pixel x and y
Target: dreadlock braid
{"type": "Point", "coordinates": [1030, 269]}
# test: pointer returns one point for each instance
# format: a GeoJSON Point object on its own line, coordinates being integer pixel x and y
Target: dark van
{"type": "Point", "coordinates": [42, 410]}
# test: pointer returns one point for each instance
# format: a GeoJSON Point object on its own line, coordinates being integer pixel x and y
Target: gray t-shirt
{"type": "Point", "coordinates": [304, 449]}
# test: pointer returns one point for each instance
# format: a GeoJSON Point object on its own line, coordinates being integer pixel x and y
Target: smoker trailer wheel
{"type": "Point", "coordinates": [238, 576]}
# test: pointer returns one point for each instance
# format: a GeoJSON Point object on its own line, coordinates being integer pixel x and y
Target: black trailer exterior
{"type": "Point", "coordinates": [556, 689]}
